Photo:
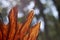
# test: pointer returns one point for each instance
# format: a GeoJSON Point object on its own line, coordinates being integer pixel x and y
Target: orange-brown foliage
{"type": "Point", "coordinates": [18, 31]}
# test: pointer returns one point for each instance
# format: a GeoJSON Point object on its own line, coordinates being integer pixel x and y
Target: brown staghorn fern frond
{"type": "Point", "coordinates": [19, 31]}
{"type": "Point", "coordinates": [12, 23]}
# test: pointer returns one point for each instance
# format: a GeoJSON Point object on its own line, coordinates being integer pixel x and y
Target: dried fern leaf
{"type": "Point", "coordinates": [34, 32]}
{"type": "Point", "coordinates": [5, 31]}
{"type": "Point", "coordinates": [0, 35]}
{"type": "Point", "coordinates": [26, 36]}
{"type": "Point", "coordinates": [12, 23]}
{"type": "Point", "coordinates": [26, 25]}
{"type": "Point", "coordinates": [17, 33]}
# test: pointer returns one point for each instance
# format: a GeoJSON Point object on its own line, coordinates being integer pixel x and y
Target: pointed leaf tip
{"type": "Point", "coordinates": [34, 31]}
{"type": "Point", "coordinates": [26, 25]}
